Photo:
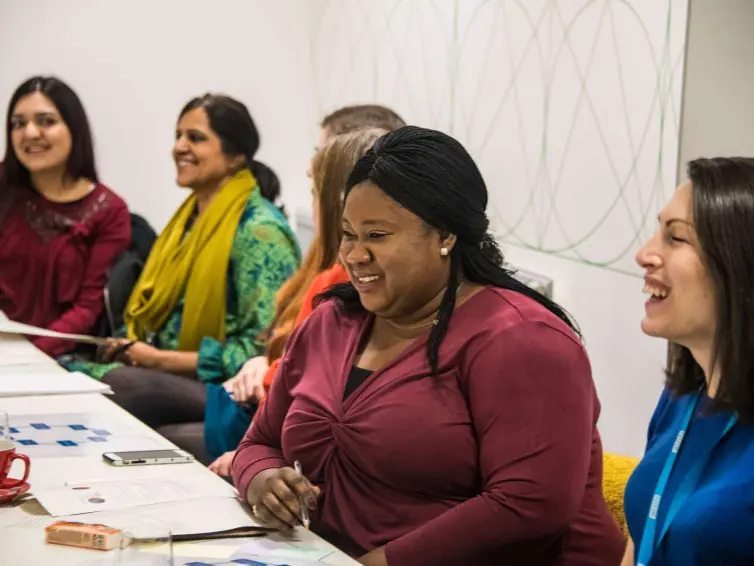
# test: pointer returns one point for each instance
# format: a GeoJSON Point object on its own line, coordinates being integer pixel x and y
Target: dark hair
{"type": "Point", "coordinates": [350, 118]}
{"type": "Point", "coordinates": [723, 208]}
{"type": "Point", "coordinates": [80, 161]}
{"type": "Point", "coordinates": [233, 124]}
{"type": "Point", "coordinates": [433, 176]}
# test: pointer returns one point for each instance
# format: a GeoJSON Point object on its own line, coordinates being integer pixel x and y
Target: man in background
{"type": "Point", "coordinates": [350, 118]}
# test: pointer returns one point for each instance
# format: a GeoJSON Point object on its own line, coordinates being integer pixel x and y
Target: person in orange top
{"type": "Point", "coordinates": [333, 276]}
{"type": "Point", "coordinates": [330, 169]}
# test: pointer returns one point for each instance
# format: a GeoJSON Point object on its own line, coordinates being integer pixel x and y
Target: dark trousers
{"type": "Point", "coordinates": [171, 404]}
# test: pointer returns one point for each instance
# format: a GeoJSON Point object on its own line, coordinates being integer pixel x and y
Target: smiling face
{"type": "Point", "coordinates": [392, 257]}
{"type": "Point", "coordinates": [41, 140]}
{"type": "Point", "coordinates": [681, 307]}
{"type": "Point", "coordinates": [199, 160]}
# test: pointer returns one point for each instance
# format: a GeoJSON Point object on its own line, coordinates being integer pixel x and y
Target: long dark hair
{"type": "Point", "coordinates": [80, 161]}
{"type": "Point", "coordinates": [233, 124]}
{"type": "Point", "coordinates": [433, 176]}
{"type": "Point", "coordinates": [723, 205]}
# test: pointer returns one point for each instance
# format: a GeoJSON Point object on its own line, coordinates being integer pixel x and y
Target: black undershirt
{"type": "Point", "coordinates": [356, 377]}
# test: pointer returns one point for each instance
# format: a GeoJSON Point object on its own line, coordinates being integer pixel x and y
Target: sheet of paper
{"type": "Point", "coordinates": [11, 327]}
{"type": "Point", "coordinates": [191, 550]}
{"type": "Point", "coordinates": [279, 546]}
{"type": "Point", "coordinates": [28, 515]}
{"type": "Point", "coordinates": [204, 554]}
{"type": "Point", "coordinates": [180, 517]}
{"type": "Point", "coordinates": [31, 522]}
{"type": "Point", "coordinates": [116, 495]}
{"type": "Point", "coordinates": [73, 435]}
{"type": "Point", "coordinates": [195, 516]}
{"type": "Point", "coordinates": [17, 351]}
{"type": "Point", "coordinates": [155, 559]}
{"type": "Point", "coordinates": [274, 561]}
{"type": "Point", "coordinates": [136, 559]}
{"type": "Point", "coordinates": [53, 383]}
{"type": "Point", "coordinates": [266, 561]}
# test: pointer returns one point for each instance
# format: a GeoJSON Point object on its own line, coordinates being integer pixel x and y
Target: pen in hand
{"type": "Point", "coordinates": [304, 507]}
{"type": "Point", "coordinates": [122, 349]}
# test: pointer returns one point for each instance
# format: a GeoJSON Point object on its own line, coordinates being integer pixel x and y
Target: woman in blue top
{"type": "Point", "coordinates": [690, 502]}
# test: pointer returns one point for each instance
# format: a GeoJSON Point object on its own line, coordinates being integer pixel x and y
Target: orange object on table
{"type": "Point", "coordinates": [81, 535]}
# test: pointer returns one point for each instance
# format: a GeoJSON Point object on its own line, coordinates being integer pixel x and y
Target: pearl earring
{"type": "Point", "coordinates": [443, 251]}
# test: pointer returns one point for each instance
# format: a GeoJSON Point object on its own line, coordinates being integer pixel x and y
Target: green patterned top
{"type": "Point", "coordinates": [264, 255]}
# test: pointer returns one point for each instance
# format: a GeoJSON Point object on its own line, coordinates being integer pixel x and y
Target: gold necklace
{"type": "Point", "coordinates": [410, 326]}
{"type": "Point", "coordinates": [419, 325]}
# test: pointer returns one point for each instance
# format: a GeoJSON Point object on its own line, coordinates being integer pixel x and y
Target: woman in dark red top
{"type": "Point", "coordinates": [443, 412]}
{"type": "Point", "coordinates": [60, 229]}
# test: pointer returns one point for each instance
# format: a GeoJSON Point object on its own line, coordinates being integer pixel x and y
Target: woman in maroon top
{"type": "Point", "coordinates": [442, 412]}
{"type": "Point", "coordinates": [61, 230]}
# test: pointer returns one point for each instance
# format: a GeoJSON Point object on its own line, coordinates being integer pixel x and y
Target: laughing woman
{"type": "Point", "coordinates": [208, 288]}
{"type": "Point", "coordinates": [690, 502]}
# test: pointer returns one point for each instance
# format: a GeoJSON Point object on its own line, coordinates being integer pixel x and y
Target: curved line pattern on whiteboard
{"type": "Point", "coordinates": [570, 107]}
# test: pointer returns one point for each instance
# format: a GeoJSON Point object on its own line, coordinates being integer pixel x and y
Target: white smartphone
{"type": "Point", "coordinates": [147, 457]}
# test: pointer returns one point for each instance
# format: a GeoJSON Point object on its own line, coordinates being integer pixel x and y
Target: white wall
{"type": "Point", "coordinates": [570, 108]}
{"type": "Point", "coordinates": [718, 112]}
{"type": "Point", "coordinates": [136, 63]}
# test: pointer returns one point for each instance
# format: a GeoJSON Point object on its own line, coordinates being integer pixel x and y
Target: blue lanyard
{"type": "Point", "coordinates": [649, 541]}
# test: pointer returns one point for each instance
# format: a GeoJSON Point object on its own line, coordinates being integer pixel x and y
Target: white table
{"type": "Point", "coordinates": [19, 546]}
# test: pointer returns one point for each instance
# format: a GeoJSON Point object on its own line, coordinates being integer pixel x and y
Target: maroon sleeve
{"type": "Point", "coordinates": [111, 237]}
{"type": "Point", "coordinates": [261, 448]}
{"type": "Point", "coordinates": [531, 397]}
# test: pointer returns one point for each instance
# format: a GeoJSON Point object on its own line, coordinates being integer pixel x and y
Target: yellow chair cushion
{"type": "Point", "coordinates": [617, 470]}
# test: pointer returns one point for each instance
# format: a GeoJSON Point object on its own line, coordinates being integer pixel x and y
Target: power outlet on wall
{"type": "Point", "coordinates": [539, 283]}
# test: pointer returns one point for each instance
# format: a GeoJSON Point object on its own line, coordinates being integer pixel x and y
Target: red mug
{"type": "Point", "coordinates": [7, 455]}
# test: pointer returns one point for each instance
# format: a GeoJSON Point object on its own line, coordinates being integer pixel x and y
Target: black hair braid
{"type": "Point", "coordinates": [484, 265]}
{"type": "Point", "coordinates": [444, 313]}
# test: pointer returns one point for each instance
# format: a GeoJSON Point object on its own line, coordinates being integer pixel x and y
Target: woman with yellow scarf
{"type": "Point", "coordinates": [207, 290]}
